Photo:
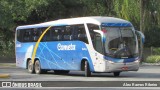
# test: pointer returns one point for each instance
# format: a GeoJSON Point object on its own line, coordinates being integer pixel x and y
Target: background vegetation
{"type": "Point", "coordinates": [144, 14]}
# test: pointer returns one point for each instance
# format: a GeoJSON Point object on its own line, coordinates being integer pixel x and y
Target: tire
{"type": "Point", "coordinates": [116, 74]}
{"type": "Point", "coordinates": [87, 69]}
{"type": "Point", "coordinates": [38, 69]}
{"type": "Point", "coordinates": [30, 67]}
{"type": "Point", "coordinates": [61, 71]}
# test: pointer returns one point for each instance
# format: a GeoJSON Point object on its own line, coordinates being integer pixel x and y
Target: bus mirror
{"type": "Point", "coordinates": [141, 39]}
{"type": "Point", "coordinates": [141, 35]}
{"type": "Point", "coordinates": [99, 31]}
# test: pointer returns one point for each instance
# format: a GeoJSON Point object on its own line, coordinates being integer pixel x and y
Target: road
{"type": "Point", "coordinates": [145, 73]}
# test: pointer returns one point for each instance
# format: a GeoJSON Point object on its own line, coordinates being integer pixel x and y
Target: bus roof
{"type": "Point", "coordinates": [80, 20]}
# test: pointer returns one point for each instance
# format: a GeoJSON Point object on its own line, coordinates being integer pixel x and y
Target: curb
{"type": "Point", "coordinates": [4, 75]}
{"type": "Point", "coordinates": [151, 64]}
{"type": "Point", "coordinates": [7, 65]}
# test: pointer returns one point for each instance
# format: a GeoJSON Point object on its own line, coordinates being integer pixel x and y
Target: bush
{"type": "Point", "coordinates": [153, 59]}
{"type": "Point", "coordinates": [156, 51]}
{"type": "Point", "coordinates": [7, 49]}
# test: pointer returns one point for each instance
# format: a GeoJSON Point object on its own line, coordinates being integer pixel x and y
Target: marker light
{"type": "Point", "coordinates": [104, 30]}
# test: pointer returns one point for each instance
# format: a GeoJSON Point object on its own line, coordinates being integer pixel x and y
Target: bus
{"type": "Point", "coordinates": [94, 44]}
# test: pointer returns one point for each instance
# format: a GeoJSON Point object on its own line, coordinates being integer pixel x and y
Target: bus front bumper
{"type": "Point", "coordinates": [119, 67]}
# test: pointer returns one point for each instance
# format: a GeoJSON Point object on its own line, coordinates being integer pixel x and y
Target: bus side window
{"type": "Point", "coordinates": [35, 34]}
{"type": "Point", "coordinates": [26, 36]}
{"type": "Point", "coordinates": [61, 34]}
{"type": "Point", "coordinates": [92, 27]}
{"type": "Point", "coordinates": [57, 33]}
{"type": "Point", "coordinates": [98, 43]}
{"type": "Point", "coordinates": [54, 34]}
{"type": "Point", "coordinates": [46, 36]}
{"type": "Point", "coordinates": [68, 33]}
{"type": "Point", "coordinates": [82, 33]}
{"type": "Point", "coordinates": [75, 32]}
{"type": "Point", "coordinates": [19, 35]}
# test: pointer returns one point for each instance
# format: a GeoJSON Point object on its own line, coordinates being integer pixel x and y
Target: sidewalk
{"type": "Point", "coordinates": [7, 65]}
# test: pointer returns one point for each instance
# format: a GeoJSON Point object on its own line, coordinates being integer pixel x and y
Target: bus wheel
{"type": "Point", "coordinates": [38, 69]}
{"type": "Point", "coordinates": [30, 67]}
{"type": "Point", "coordinates": [116, 74]}
{"type": "Point", "coordinates": [87, 69]}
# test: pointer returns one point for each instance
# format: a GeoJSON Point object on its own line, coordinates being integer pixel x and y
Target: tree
{"type": "Point", "coordinates": [129, 10]}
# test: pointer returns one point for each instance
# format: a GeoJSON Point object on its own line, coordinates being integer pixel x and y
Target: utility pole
{"type": "Point", "coordinates": [141, 29]}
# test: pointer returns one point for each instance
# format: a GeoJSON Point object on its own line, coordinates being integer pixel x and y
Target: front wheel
{"type": "Point", "coordinates": [116, 74]}
{"type": "Point", "coordinates": [87, 69]}
{"type": "Point", "coordinates": [30, 67]}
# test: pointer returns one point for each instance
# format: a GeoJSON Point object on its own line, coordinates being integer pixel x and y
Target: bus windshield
{"type": "Point", "coordinates": [120, 42]}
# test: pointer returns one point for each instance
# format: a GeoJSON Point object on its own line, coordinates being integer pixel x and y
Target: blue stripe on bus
{"type": "Point", "coordinates": [116, 24]}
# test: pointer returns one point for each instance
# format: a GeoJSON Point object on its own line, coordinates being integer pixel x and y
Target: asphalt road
{"type": "Point", "coordinates": [145, 73]}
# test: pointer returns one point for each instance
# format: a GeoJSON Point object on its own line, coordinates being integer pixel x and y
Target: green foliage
{"type": "Point", "coordinates": [7, 49]}
{"type": "Point", "coordinates": [17, 10]}
{"type": "Point", "coordinates": [95, 7]}
{"type": "Point", "coordinates": [152, 37]}
{"type": "Point", "coordinates": [156, 51]}
{"type": "Point", "coordinates": [129, 10]}
{"type": "Point", "coordinates": [22, 12]}
{"type": "Point", "coordinates": [153, 59]}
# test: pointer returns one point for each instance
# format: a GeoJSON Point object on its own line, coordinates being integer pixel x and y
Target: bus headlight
{"type": "Point", "coordinates": [137, 61]}
{"type": "Point", "coordinates": [110, 62]}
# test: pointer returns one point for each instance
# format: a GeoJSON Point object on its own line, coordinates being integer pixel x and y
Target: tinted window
{"type": "Point", "coordinates": [47, 35]}
{"type": "Point", "coordinates": [35, 34]}
{"type": "Point", "coordinates": [82, 36]}
{"type": "Point", "coordinates": [92, 27]}
{"type": "Point", "coordinates": [59, 33]}
{"type": "Point", "coordinates": [67, 33]}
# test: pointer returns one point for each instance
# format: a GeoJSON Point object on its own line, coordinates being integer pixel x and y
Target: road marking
{"type": "Point", "coordinates": [4, 75]}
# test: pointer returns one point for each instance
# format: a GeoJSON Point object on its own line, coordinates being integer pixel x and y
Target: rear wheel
{"type": "Point", "coordinates": [116, 74]}
{"type": "Point", "coordinates": [87, 69]}
{"type": "Point", "coordinates": [30, 67]}
{"type": "Point", "coordinates": [37, 67]}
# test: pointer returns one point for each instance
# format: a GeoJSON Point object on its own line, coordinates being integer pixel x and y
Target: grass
{"type": "Point", "coordinates": [153, 59]}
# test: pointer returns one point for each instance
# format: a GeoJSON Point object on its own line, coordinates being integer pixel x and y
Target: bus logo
{"type": "Point", "coordinates": [66, 47]}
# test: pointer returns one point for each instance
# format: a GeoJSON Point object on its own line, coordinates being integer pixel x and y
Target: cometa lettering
{"type": "Point", "coordinates": [66, 47]}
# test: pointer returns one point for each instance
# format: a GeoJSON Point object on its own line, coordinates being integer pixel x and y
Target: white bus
{"type": "Point", "coordinates": [90, 44]}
